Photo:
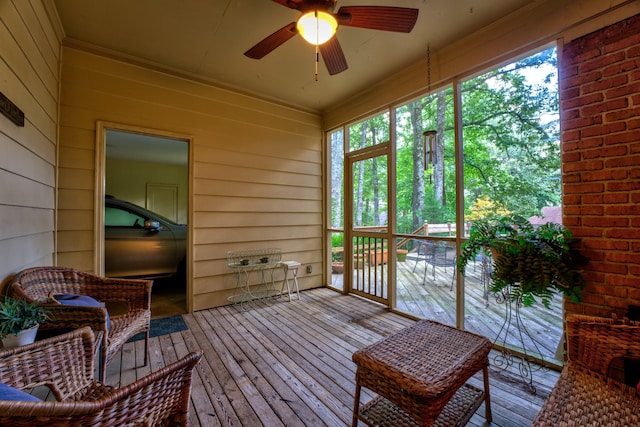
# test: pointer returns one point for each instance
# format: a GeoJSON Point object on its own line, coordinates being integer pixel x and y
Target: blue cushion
{"type": "Point", "coordinates": [80, 300]}
{"type": "Point", "coordinates": [10, 393]}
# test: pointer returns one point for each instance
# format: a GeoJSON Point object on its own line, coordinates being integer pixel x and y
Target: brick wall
{"type": "Point", "coordinates": [600, 103]}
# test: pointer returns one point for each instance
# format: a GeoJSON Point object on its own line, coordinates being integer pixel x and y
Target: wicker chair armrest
{"type": "Point", "coordinates": [75, 316]}
{"type": "Point", "coordinates": [595, 342]}
{"type": "Point", "coordinates": [63, 363]}
{"type": "Point", "coordinates": [135, 292]}
{"type": "Point", "coordinates": [159, 399]}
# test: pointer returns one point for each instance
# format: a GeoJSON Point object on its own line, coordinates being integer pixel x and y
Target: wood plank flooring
{"type": "Point", "coordinates": [283, 363]}
{"type": "Point", "coordinates": [427, 292]}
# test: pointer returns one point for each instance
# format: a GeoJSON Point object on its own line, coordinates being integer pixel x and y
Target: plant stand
{"type": "Point", "coordinates": [246, 261]}
{"type": "Point", "coordinates": [515, 328]}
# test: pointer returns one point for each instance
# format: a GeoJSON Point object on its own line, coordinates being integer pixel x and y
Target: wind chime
{"type": "Point", "coordinates": [429, 144]}
{"type": "Point", "coordinates": [429, 136]}
{"type": "Point", "coordinates": [430, 153]}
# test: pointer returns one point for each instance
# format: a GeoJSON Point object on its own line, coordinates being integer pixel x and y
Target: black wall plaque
{"type": "Point", "coordinates": [11, 110]}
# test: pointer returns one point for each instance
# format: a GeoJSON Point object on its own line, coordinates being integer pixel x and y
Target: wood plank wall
{"type": "Point", "coordinates": [29, 56]}
{"type": "Point", "coordinates": [255, 167]}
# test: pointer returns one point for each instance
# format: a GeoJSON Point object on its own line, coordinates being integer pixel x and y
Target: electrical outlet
{"type": "Point", "coordinates": [309, 269]}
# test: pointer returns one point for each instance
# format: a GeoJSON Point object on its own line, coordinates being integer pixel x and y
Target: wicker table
{"type": "Point", "coordinates": [419, 374]}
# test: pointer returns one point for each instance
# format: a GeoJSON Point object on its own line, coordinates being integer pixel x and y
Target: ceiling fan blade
{"type": "Point", "coordinates": [386, 18]}
{"type": "Point", "coordinates": [271, 42]}
{"type": "Point", "coordinates": [333, 56]}
{"type": "Point", "coordinates": [291, 4]}
{"type": "Point", "coordinates": [307, 5]}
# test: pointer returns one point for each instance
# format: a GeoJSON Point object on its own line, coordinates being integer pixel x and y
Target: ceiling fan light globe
{"type": "Point", "coordinates": [317, 27]}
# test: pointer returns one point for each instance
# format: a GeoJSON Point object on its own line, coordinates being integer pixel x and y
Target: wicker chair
{"type": "Point", "coordinates": [585, 395]}
{"type": "Point", "coordinates": [39, 283]}
{"type": "Point", "coordinates": [64, 364]}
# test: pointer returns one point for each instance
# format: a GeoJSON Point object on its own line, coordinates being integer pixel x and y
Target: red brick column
{"type": "Point", "coordinates": [600, 122]}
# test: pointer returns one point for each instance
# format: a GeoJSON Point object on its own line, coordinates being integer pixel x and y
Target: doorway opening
{"type": "Point", "coordinates": [142, 212]}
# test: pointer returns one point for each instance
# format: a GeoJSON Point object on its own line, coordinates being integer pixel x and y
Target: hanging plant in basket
{"type": "Point", "coordinates": [528, 262]}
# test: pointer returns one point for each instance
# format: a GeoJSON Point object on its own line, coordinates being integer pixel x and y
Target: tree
{"type": "Point", "coordinates": [511, 135]}
{"type": "Point", "coordinates": [337, 177]}
{"type": "Point", "coordinates": [369, 175]}
{"type": "Point", "coordinates": [359, 180]}
{"type": "Point", "coordinates": [510, 143]}
{"type": "Point", "coordinates": [430, 193]}
{"type": "Point", "coordinates": [418, 193]}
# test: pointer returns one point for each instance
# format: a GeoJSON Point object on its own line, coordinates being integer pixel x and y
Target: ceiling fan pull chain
{"type": "Point", "coordinates": [317, 44]}
{"type": "Point", "coordinates": [317, 60]}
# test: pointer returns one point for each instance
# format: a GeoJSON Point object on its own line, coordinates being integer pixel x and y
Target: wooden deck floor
{"type": "Point", "coordinates": [431, 296]}
{"type": "Point", "coordinates": [289, 363]}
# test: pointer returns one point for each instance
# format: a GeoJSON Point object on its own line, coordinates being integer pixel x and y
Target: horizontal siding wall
{"type": "Point", "coordinates": [256, 172]}
{"type": "Point", "coordinates": [29, 56]}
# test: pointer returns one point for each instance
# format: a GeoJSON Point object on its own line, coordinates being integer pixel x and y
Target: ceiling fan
{"type": "Point", "coordinates": [317, 24]}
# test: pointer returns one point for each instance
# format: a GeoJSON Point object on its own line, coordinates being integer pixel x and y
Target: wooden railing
{"type": "Point", "coordinates": [425, 229]}
{"type": "Point", "coordinates": [430, 229]}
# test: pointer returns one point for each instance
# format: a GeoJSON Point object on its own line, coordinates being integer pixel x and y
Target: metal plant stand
{"type": "Point", "coordinates": [513, 326]}
{"type": "Point", "coordinates": [246, 261]}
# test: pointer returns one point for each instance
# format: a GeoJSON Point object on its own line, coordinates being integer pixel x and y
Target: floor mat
{"type": "Point", "coordinates": [163, 326]}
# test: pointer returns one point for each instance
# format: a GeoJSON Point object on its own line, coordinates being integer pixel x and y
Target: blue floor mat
{"type": "Point", "coordinates": [163, 326]}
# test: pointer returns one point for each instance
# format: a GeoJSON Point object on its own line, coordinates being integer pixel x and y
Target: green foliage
{"type": "Point", "coordinates": [371, 131]}
{"type": "Point", "coordinates": [484, 209]}
{"type": "Point", "coordinates": [337, 241]}
{"type": "Point", "coordinates": [510, 144]}
{"type": "Point", "coordinates": [369, 174]}
{"type": "Point", "coordinates": [436, 213]}
{"type": "Point", "coordinates": [511, 135]}
{"type": "Point", "coordinates": [530, 262]}
{"type": "Point", "coordinates": [17, 315]}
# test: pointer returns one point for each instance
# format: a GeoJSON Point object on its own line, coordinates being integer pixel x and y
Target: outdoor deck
{"type": "Point", "coordinates": [424, 296]}
{"type": "Point", "coordinates": [285, 363]}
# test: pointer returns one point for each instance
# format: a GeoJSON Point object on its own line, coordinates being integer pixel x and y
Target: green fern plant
{"type": "Point", "coordinates": [530, 262]}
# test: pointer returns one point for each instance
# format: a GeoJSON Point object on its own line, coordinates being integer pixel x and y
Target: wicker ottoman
{"type": "Point", "coordinates": [419, 374]}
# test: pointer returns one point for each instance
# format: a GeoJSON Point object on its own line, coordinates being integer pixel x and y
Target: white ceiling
{"type": "Point", "coordinates": [206, 39]}
{"type": "Point", "coordinates": [146, 148]}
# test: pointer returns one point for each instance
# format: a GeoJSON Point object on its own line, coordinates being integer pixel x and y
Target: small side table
{"type": "Point", "coordinates": [419, 375]}
{"type": "Point", "coordinates": [293, 267]}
